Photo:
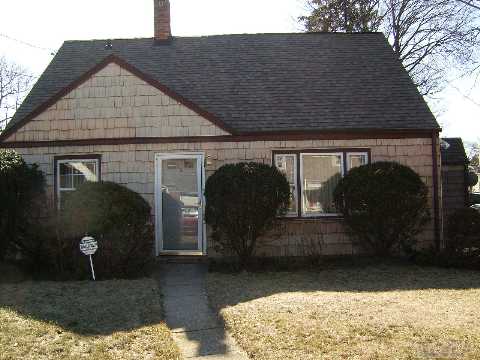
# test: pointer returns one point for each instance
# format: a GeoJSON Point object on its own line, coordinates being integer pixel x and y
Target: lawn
{"type": "Point", "coordinates": [72, 320]}
{"type": "Point", "coordinates": [376, 312]}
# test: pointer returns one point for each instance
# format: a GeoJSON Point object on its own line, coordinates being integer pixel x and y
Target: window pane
{"type": "Point", "coordinates": [65, 169]}
{"type": "Point", "coordinates": [287, 164]}
{"type": "Point", "coordinates": [66, 181]}
{"type": "Point", "coordinates": [78, 180]}
{"type": "Point", "coordinates": [321, 174]}
{"type": "Point", "coordinates": [75, 173]}
{"type": "Point", "coordinates": [85, 169]}
{"type": "Point", "coordinates": [356, 160]}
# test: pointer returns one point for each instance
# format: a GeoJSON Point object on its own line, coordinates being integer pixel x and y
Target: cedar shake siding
{"type": "Point", "coordinates": [133, 166]}
{"type": "Point", "coordinates": [114, 103]}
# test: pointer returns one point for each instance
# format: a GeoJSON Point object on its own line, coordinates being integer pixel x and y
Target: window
{"type": "Point", "coordinates": [71, 173]}
{"type": "Point", "coordinates": [356, 159]}
{"type": "Point", "coordinates": [320, 174]}
{"type": "Point", "coordinates": [313, 176]}
{"type": "Point", "coordinates": [288, 165]}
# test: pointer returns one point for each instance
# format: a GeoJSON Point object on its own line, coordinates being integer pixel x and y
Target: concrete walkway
{"type": "Point", "coordinates": [196, 328]}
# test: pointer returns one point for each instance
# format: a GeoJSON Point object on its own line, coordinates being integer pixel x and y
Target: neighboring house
{"type": "Point", "coordinates": [161, 114]}
{"type": "Point", "coordinates": [454, 175]}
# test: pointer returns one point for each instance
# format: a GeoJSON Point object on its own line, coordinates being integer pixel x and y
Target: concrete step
{"type": "Point", "coordinates": [181, 259]}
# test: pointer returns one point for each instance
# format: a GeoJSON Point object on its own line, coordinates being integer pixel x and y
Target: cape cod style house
{"type": "Point", "coordinates": [161, 114]}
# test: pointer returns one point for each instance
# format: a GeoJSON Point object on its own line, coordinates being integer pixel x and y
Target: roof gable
{"type": "Point", "coordinates": [110, 101]}
{"type": "Point", "coordinates": [261, 83]}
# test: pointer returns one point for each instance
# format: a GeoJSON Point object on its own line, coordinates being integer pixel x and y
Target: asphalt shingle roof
{"type": "Point", "coordinates": [263, 82]}
{"type": "Point", "coordinates": [454, 153]}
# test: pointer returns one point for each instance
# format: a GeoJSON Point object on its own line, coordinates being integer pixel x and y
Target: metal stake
{"type": "Point", "coordinates": [91, 265]}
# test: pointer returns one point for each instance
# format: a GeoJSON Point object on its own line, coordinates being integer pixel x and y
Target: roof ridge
{"type": "Point", "coordinates": [312, 33]}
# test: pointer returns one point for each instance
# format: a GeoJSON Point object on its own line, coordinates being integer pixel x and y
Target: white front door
{"type": "Point", "coordinates": [179, 204]}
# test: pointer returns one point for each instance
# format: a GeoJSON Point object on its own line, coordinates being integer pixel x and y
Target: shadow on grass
{"type": "Point", "coordinates": [87, 308]}
{"type": "Point", "coordinates": [234, 288]}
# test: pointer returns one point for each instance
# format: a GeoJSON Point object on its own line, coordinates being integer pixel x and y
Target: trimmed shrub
{"type": "Point", "coordinates": [40, 248]}
{"type": "Point", "coordinates": [20, 186]}
{"type": "Point", "coordinates": [463, 230]}
{"type": "Point", "coordinates": [243, 201]}
{"type": "Point", "coordinates": [118, 218]}
{"type": "Point", "coordinates": [384, 204]}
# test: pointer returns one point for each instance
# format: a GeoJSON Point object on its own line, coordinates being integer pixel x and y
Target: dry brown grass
{"type": "Point", "coordinates": [382, 312]}
{"type": "Point", "coordinates": [72, 320]}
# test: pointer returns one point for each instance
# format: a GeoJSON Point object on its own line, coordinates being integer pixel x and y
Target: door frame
{"type": "Point", "coordinates": [202, 231]}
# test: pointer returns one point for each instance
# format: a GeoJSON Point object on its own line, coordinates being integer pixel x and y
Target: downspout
{"type": "Point", "coordinates": [465, 183]}
{"type": "Point", "coordinates": [436, 207]}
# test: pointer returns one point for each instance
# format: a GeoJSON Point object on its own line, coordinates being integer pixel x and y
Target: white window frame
{"type": "Point", "coordinates": [342, 173]}
{"type": "Point", "coordinates": [298, 157]}
{"type": "Point", "coordinates": [355, 154]}
{"type": "Point", "coordinates": [295, 181]}
{"type": "Point", "coordinates": [59, 189]}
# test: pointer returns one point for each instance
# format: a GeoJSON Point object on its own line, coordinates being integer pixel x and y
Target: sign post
{"type": "Point", "coordinates": [89, 246]}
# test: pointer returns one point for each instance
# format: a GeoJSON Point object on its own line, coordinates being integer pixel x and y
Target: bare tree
{"type": "Point", "coordinates": [15, 82]}
{"type": "Point", "coordinates": [428, 36]}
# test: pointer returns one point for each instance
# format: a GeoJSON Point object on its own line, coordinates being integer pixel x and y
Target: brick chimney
{"type": "Point", "coordinates": [162, 20]}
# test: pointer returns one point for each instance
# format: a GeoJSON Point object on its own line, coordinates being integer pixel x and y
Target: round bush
{"type": "Point", "coordinates": [384, 204]}
{"type": "Point", "coordinates": [20, 186]}
{"type": "Point", "coordinates": [119, 219]}
{"type": "Point", "coordinates": [243, 201]}
{"type": "Point", "coordinates": [463, 230]}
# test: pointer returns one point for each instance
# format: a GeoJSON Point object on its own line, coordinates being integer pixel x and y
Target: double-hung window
{"type": "Point", "coordinates": [72, 172]}
{"type": "Point", "coordinates": [287, 164]}
{"type": "Point", "coordinates": [313, 176]}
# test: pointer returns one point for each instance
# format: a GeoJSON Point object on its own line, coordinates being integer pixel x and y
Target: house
{"type": "Point", "coordinates": [161, 114]}
{"type": "Point", "coordinates": [454, 175]}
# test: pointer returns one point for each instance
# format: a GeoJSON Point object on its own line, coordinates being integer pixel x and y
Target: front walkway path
{"type": "Point", "coordinates": [196, 329]}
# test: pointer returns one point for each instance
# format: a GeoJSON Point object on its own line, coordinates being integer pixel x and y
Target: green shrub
{"type": "Point", "coordinates": [41, 249]}
{"type": "Point", "coordinates": [20, 186]}
{"type": "Point", "coordinates": [118, 218]}
{"type": "Point", "coordinates": [384, 204]}
{"type": "Point", "coordinates": [243, 201]}
{"type": "Point", "coordinates": [463, 230]}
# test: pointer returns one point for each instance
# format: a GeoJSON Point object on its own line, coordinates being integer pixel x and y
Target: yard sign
{"type": "Point", "coordinates": [89, 246]}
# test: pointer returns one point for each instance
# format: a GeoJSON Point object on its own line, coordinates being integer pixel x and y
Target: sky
{"type": "Point", "coordinates": [46, 24]}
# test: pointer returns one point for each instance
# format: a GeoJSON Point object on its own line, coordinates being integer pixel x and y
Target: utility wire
{"type": "Point", "coordinates": [51, 51]}
{"type": "Point", "coordinates": [465, 96]}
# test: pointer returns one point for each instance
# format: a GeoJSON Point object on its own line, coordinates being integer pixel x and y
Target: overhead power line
{"type": "Point", "coordinates": [51, 51]}
{"type": "Point", "coordinates": [466, 97]}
